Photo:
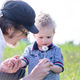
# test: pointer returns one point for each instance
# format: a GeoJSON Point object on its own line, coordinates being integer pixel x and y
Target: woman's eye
{"type": "Point", "coordinates": [40, 37]}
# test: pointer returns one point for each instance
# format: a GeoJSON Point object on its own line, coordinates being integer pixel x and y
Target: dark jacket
{"type": "Point", "coordinates": [14, 76]}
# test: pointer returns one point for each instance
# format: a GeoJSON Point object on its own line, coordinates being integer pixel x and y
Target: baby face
{"type": "Point", "coordinates": [45, 36]}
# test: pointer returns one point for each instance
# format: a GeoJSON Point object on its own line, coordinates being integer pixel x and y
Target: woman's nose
{"type": "Point", "coordinates": [24, 36]}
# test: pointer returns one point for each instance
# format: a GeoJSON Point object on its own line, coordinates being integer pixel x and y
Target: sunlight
{"type": "Point", "coordinates": [66, 14]}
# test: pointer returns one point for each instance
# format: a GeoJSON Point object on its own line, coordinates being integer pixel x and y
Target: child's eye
{"type": "Point", "coordinates": [48, 36]}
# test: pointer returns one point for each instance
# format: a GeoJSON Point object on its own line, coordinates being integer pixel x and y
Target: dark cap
{"type": "Point", "coordinates": [21, 13]}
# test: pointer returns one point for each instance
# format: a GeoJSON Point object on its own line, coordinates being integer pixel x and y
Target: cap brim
{"type": "Point", "coordinates": [32, 29]}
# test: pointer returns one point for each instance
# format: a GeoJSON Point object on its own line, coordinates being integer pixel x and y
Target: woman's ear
{"type": "Point", "coordinates": [10, 30]}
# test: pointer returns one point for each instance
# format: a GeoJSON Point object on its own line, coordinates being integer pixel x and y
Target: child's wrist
{"type": "Point", "coordinates": [23, 64]}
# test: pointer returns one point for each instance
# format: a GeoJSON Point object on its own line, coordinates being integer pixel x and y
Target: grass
{"type": "Point", "coordinates": [71, 55]}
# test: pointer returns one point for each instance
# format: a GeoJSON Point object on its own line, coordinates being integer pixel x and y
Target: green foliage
{"type": "Point", "coordinates": [71, 55]}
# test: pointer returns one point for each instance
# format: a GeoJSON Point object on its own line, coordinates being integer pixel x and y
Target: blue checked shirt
{"type": "Point", "coordinates": [32, 55]}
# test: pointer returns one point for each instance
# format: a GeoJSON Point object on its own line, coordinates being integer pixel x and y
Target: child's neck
{"type": "Point", "coordinates": [40, 48]}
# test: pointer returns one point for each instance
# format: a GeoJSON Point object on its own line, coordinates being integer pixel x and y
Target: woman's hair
{"type": "Point", "coordinates": [44, 19]}
{"type": "Point", "coordinates": [5, 24]}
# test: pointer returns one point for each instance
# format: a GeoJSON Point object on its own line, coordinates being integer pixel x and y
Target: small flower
{"type": "Point", "coordinates": [44, 48]}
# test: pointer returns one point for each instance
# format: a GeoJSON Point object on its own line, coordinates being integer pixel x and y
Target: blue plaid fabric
{"type": "Point", "coordinates": [32, 55]}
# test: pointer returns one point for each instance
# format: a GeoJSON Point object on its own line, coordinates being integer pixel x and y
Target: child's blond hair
{"type": "Point", "coordinates": [44, 19]}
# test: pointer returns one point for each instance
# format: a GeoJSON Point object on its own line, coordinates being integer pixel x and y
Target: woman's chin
{"type": "Point", "coordinates": [12, 45]}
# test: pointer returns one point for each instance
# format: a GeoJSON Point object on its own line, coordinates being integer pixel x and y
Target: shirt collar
{"type": "Point", "coordinates": [2, 38]}
{"type": "Point", "coordinates": [35, 46]}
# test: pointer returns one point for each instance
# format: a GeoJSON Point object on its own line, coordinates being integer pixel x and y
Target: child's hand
{"type": "Point", "coordinates": [4, 66]}
{"type": "Point", "coordinates": [15, 62]}
{"type": "Point", "coordinates": [55, 68]}
{"type": "Point", "coordinates": [11, 65]}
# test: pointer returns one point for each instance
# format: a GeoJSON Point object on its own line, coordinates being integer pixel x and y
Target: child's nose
{"type": "Point", "coordinates": [44, 40]}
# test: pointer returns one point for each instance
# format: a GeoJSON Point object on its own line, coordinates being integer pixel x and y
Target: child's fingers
{"type": "Point", "coordinates": [16, 64]}
{"type": "Point", "coordinates": [16, 67]}
{"type": "Point", "coordinates": [19, 62]}
{"type": "Point", "coordinates": [11, 64]}
{"type": "Point", "coordinates": [16, 57]}
{"type": "Point", "coordinates": [51, 64]}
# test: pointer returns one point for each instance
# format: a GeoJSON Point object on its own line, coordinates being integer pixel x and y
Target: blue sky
{"type": "Point", "coordinates": [66, 14]}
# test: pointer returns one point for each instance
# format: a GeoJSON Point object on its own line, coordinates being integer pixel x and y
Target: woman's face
{"type": "Point", "coordinates": [15, 35]}
{"type": "Point", "coordinates": [45, 36]}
